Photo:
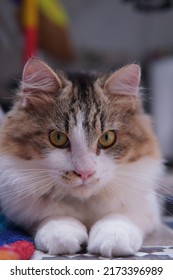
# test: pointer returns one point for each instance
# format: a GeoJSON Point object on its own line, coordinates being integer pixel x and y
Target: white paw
{"type": "Point", "coordinates": [117, 237]}
{"type": "Point", "coordinates": [61, 236]}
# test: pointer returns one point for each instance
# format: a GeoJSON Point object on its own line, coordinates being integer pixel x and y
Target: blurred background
{"type": "Point", "coordinates": [95, 35]}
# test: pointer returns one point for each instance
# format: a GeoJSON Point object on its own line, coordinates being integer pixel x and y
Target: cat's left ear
{"type": "Point", "coordinates": [38, 82]}
{"type": "Point", "coordinates": [124, 81]}
{"type": "Point", "coordinates": [37, 75]}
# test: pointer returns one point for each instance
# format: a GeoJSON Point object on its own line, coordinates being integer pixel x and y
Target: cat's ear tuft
{"type": "Point", "coordinates": [124, 81]}
{"type": "Point", "coordinates": [37, 78]}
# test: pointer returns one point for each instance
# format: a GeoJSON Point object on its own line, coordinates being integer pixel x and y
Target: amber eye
{"type": "Point", "coordinates": [107, 139]}
{"type": "Point", "coordinates": [59, 139]}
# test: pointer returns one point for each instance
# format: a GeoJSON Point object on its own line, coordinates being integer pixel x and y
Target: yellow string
{"type": "Point", "coordinates": [29, 13]}
{"type": "Point", "coordinates": [54, 11]}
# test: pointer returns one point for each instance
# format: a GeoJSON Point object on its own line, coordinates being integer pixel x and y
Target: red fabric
{"type": "Point", "coordinates": [19, 250]}
{"type": "Point", "coordinates": [30, 43]}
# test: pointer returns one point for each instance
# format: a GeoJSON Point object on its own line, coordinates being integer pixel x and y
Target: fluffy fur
{"type": "Point", "coordinates": [80, 194]}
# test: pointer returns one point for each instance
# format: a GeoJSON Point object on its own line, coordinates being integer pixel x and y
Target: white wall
{"type": "Point", "coordinates": [113, 25]}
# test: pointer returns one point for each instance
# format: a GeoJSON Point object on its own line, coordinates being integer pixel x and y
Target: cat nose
{"type": "Point", "coordinates": [84, 174]}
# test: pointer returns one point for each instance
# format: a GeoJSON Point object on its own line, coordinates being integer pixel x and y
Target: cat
{"type": "Point", "coordinates": [79, 161]}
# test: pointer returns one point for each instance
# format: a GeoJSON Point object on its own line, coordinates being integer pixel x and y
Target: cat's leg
{"type": "Point", "coordinates": [62, 235]}
{"type": "Point", "coordinates": [115, 236]}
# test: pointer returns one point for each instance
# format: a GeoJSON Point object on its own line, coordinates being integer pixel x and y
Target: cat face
{"type": "Point", "coordinates": [80, 128]}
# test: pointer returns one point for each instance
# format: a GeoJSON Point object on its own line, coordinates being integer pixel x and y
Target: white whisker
{"type": "Point", "coordinates": [30, 188]}
{"type": "Point", "coordinates": [26, 196]}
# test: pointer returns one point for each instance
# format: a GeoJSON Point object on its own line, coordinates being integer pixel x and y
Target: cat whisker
{"type": "Point", "coordinates": [14, 180]}
{"type": "Point", "coordinates": [29, 187]}
{"type": "Point", "coordinates": [158, 181]}
{"type": "Point", "coordinates": [139, 174]}
{"type": "Point", "coordinates": [136, 186]}
{"type": "Point", "coordinates": [27, 195]}
{"type": "Point", "coordinates": [163, 199]}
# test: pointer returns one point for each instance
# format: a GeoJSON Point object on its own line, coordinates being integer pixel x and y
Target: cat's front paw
{"type": "Point", "coordinates": [61, 236]}
{"type": "Point", "coordinates": [114, 238]}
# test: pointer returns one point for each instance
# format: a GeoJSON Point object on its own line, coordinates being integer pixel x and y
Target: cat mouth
{"type": "Point", "coordinates": [87, 184]}
{"type": "Point", "coordinates": [81, 186]}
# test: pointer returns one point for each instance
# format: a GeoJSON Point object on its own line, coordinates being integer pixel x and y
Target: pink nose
{"type": "Point", "coordinates": [84, 174]}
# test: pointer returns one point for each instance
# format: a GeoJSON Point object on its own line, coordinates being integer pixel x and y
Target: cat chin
{"type": "Point", "coordinates": [81, 193]}
{"type": "Point", "coordinates": [84, 191]}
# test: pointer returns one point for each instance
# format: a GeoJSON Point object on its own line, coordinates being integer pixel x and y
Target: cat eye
{"type": "Point", "coordinates": [107, 139]}
{"type": "Point", "coordinates": [58, 139]}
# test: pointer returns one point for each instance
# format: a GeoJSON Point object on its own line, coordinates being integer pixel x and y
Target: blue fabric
{"type": "Point", "coordinates": [3, 222]}
{"type": "Point", "coordinates": [10, 233]}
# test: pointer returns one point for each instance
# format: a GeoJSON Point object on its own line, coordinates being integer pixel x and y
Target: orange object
{"type": "Point", "coordinates": [30, 20]}
{"type": "Point", "coordinates": [45, 25]}
{"type": "Point", "coordinates": [29, 15]}
{"type": "Point", "coordinates": [8, 254]}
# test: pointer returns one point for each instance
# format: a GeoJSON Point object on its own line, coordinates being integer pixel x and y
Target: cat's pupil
{"type": "Point", "coordinates": [106, 137]}
{"type": "Point", "coordinates": [58, 136]}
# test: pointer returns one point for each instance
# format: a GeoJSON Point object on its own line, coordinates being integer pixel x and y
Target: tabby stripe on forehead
{"type": "Point", "coordinates": [94, 121]}
{"type": "Point", "coordinates": [98, 112]}
{"type": "Point", "coordinates": [102, 119]}
{"type": "Point", "coordinates": [66, 120]}
{"type": "Point", "coordinates": [74, 104]}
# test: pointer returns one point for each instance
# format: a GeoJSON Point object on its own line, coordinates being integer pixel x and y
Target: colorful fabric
{"type": "Point", "coordinates": [30, 22]}
{"type": "Point", "coordinates": [54, 11]}
{"type": "Point", "coordinates": [15, 244]}
{"type": "Point", "coordinates": [30, 18]}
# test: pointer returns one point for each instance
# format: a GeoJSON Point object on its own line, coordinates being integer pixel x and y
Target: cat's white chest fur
{"type": "Point", "coordinates": [133, 194]}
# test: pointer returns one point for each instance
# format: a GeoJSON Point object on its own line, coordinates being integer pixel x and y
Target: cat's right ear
{"type": "Point", "coordinates": [39, 82]}
{"type": "Point", "coordinates": [124, 82]}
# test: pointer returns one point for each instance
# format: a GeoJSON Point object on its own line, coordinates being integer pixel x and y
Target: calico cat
{"type": "Point", "coordinates": [79, 161]}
